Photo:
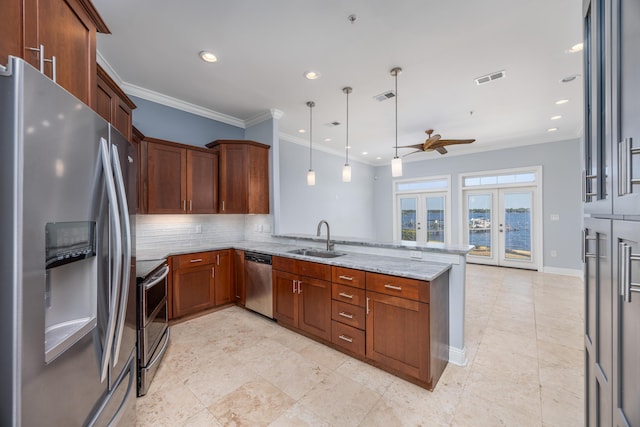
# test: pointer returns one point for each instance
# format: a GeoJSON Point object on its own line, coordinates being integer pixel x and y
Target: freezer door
{"type": "Point", "coordinates": [48, 173]}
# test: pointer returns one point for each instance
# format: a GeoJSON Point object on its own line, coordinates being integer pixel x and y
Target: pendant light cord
{"type": "Point", "coordinates": [311, 104]}
{"type": "Point", "coordinates": [346, 147]}
{"type": "Point", "coordinates": [396, 76]}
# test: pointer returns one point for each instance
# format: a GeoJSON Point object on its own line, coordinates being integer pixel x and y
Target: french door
{"type": "Point", "coordinates": [422, 217]}
{"type": "Point", "coordinates": [499, 222]}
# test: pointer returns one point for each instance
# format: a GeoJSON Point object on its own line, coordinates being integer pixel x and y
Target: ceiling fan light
{"type": "Point", "coordinates": [396, 167]}
{"type": "Point", "coordinates": [311, 177]}
{"type": "Point", "coordinates": [346, 173]}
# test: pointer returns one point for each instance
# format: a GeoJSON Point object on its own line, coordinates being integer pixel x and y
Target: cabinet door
{"type": "Point", "coordinates": [10, 30]}
{"type": "Point", "coordinates": [238, 282]}
{"type": "Point", "coordinates": [223, 284]}
{"type": "Point", "coordinates": [625, 106]}
{"type": "Point", "coordinates": [233, 179]}
{"type": "Point", "coordinates": [167, 185]}
{"type": "Point", "coordinates": [398, 334]}
{"type": "Point", "coordinates": [597, 179]}
{"type": "Point", "coordinates": [285, 298]}
{"type": "Point", "coordinates": [626, 344]}
{"type": "Point", "coordinates": [193, 289]}
{"type": "Point", "coordinates": [258, 186]}
{"type": "Point", "coordinates": [202, 182]}
{"type": "Point", "coordinates": [113, 105]}
{"type": "Point", "coordinates": [598, 321]}
{"type": "Point", "coordinates": [68, 34]}
{"type": "Point", "coordinates": [314, 315]}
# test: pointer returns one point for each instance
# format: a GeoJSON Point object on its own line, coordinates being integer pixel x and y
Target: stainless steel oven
{"type": "Point", "coordinates": [153, 324]}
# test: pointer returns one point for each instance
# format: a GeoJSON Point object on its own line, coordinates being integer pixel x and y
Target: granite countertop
{"type": "Point", "coordinates": [405, 267]}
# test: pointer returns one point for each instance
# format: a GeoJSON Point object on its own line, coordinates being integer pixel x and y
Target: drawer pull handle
{"type": "Point", "coordinates": [346, 278]}
{"type": "Point", "coordinates": [345, 295]}
{"type": "Point", "coordinates": [345, 338]}
{"type": "Point", "coordinates": [347, 315]}
{"type": "Point", "coordinates": [395, 288]}
{"type": "Point", "coordinates": [196, 260]}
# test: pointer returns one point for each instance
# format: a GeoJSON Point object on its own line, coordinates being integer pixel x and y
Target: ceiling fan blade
{"type": "Point", "coordinates": [413, 152]}
{"type": "Point", "coordinates": [443, 142]}
{"type": "Point", "coordinates": [417, 146]}
{"type": "Point", "coordinates": [441, 150]}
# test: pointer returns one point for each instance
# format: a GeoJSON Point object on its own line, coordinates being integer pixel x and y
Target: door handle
{"type": "Point", "coordinates": [625, 258]}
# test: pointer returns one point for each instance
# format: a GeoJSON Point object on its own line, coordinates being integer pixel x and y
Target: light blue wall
{"type": "Point", "coordinates": [561, 170]}
{"type": "Point", "coordinates": [346, 206]}
{"type": "Point", "coordinates": [159, 121]}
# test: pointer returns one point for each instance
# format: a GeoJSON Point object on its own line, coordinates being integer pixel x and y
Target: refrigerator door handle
{"type": "Point", "coordinates": [117, 264]}
{"type": "Point", "coordinates": [126, 271]}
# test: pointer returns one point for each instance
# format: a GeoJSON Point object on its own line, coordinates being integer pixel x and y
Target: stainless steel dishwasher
{"type": "Point", "coordinates": [258, 287]}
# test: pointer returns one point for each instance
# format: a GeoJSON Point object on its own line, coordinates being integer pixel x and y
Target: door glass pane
{"type": "Point", "coordinates": [408, 218]}
{"type": "Point", "coordinates": [517, 227]}
{"type": "Point", "coordinates": [479, 217]}
{"type": "Point", "coordinates": [435, 219]}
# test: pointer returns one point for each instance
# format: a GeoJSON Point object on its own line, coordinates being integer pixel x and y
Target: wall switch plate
{"type": "Point", "coordinates": [266, 228]}
{"type": "Point", "coordinates": [554, 253]}
{"type": "Point", "coordinates": [198, 228]}
{"type": "Point", "coordinates": [415, 254]}
{"type": "Point", "coordinates": [555, 217]}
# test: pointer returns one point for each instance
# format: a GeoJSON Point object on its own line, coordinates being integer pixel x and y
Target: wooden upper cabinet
{"type": "Point", "coordinates": [66, 29]}
{"type": "Point", "coordinates": [113, 104]}
{"type": "Point", "coordinates": [180, 179]}
{"type": "Point", "coordinates": [243, 176]}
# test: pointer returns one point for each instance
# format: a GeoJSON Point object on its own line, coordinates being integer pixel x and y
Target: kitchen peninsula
{"type": "Point", "coordinates": [443, 267]}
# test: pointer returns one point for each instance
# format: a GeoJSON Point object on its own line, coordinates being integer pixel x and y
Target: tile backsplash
{"type": "Point", "coordinates": [185, 231]}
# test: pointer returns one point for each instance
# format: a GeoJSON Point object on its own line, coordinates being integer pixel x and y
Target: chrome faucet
{"type": "Point", "coordinates": [329, 244]}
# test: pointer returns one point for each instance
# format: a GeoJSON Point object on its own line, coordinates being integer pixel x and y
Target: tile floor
{"type": "Point", "coordinates": [525, 350]}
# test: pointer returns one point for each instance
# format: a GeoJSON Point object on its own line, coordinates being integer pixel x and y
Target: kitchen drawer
{"type": "Point", "coordinates": [348, 276]}
{"type": "Point", "coordinates": [398, 286]}
{"type": "Point", "coordinates": [348, 314]}
{"type": "Point", "coordinates": [284, 264]}
{"type": "Point", "coordinates": [193, 260]}
{"type": "Point", "coordinates": [313, 269]}
{"type": "Point", "coordinates": [347, 294]}
{"type": "Point", "coordinates": [348, 337]}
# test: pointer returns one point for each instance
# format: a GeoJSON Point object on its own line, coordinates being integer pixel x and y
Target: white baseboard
{"type": "Point", "coordinates": [458, 356]}
{"type": "Point", "coordinates": [564, 271]}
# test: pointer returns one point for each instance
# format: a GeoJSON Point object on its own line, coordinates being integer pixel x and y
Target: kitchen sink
{"type": "Point", "coordinates": [316, 253]}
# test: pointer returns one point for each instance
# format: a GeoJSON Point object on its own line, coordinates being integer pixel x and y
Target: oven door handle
{"type": "Point", "coordinates": [162, 350]}
{"type": "Point", "coordinates": [164, 274]}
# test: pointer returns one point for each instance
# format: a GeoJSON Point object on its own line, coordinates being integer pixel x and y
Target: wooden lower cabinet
{"type": "Point", "coordinates": [398, 334]}
{"type": "Point", "coordinates": [238, 277]}
{"type": "Point", "coordinates": [200, 281]}
{"type": "Point", "coordinates": [222, 277]}
{"type": "Point", "coordinates": [303, 302]}
{"type": "Point", "coordinates": [193, 289]}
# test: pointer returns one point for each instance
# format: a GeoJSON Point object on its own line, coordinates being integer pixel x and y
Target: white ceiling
{"type": "Point", "coordinates": [264, 47]}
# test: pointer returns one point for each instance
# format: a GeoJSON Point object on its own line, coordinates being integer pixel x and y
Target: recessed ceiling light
{"type": "Point", "coordinates": [576, 48]}
{"type": "Point", "coordinates": [364, 153]}
{"type": "Point", "coordinates": [207, 56]}
{"type": "Point", "coordinates": [301, 131]}
{"type": "Point", "coordinates": [552, 129]}
{"type": "Point", "coordinates": [348, 147]}
{"type": "Point", "coordinates": [378, 158]}
{"type": "Point", "coordinates": [562, 101]}
{"type": "Point", "coordinates": [312, 75]}
{"type": "Point", "coordinates": [569, 79]}
{"type": "Point", "coordinates": [327, 140]}
{"type": "Point", "coordinates": [556, 117]}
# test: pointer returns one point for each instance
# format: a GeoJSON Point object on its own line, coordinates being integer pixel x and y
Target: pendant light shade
{"type": "Point", "coordinates": [396, 163]}
{"type": "Point", "coordinates": [346, 170]}
{"type": "Point", "coordinates": [311, 175]}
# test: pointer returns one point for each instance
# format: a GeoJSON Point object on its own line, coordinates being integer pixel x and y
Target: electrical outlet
{"type": "Point", "coordinates": [415, 254]}
{"type": "Point", "coordinates": [198, 228]}
{"type": "Point", "coordinates": [554, 253]}
{"type": "Point", "coordinates": [266, 228]}
{"type": "Point", "coordinates": [555, 217]}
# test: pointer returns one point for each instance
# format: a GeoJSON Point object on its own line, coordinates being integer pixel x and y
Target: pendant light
{"type": "Point", "coordinates": [311, 175]}
{"type": "Point", "coordinates": [346, 170]}
{"type": "Point", "coordinates": [396, 163]}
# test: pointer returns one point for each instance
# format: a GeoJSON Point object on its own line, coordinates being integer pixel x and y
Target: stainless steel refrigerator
{"type": "Point", "coordinates": [67, 267]}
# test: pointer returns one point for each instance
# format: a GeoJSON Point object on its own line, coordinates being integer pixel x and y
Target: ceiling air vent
{"type": "Point", "coordinates": [384, 96]}
{"type": "Point", "coordinates": [491, 77]}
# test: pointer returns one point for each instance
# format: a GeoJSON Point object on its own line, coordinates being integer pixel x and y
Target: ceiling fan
{"type": "Point", "coordinates": [433, 142]}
